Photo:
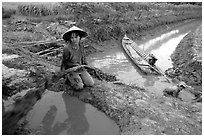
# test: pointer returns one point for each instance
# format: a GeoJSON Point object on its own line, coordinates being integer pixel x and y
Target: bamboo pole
{"type": "Point", "coordinates": [54, 50]}
{"type": "Point", "coordinates": [44, 51]}
{"type": "Point", "coordinates": [47, 54]}
{"type": "Point", "coordinates": [38, 42]}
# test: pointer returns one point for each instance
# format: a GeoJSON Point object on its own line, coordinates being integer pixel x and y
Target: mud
{"type": "Point", "coordinates": [187, 60]}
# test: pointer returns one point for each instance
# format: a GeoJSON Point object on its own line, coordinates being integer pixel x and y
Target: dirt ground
{"type": "Point", "coordinates": [187, 59]}
{"type": "Point", "coordinates": [134, 109]}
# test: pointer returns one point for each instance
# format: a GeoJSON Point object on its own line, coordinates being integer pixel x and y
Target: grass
{"type": "Point", "coordinates": [111, 20]}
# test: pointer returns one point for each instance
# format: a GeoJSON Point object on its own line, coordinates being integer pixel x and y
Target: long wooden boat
{"type": "Point", "coordinates": [138, 56]}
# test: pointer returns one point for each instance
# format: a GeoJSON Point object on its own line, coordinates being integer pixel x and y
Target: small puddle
{"type": "Point", "coordinates": [61, 114]}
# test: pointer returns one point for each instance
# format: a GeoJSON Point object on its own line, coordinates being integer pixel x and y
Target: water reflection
{"type": "Point", "coordinates": [75, 123]}
{"type": "Point", "coordinates": [164, 52]}
{"type": "Point", "coordinates": [130, 76]}
{"type": "Point", "coordinates": [135, 76]}
{"type": "Point", "coordinates": [48, 121]}
{"type": "Point", "coordinates": [159, 39]}
{"type": "Point", "coordinates": [109, 60]}
{"type": "Point", "coordinates": [76, 115]}
{"type": "Point", "coordinates": [59, 113]}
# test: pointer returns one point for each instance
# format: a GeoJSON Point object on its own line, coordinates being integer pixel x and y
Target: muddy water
{"type": "Point", "coordinates": [162, 46]}
{"type": "Point", "coordinates": [60, 114]}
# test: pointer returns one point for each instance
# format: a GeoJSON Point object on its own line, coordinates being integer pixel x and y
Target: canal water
{"type": "Point", "coordinates": [162, 46]}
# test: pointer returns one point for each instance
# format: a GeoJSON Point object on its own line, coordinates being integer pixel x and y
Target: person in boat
{"type": "Point", "coordinates": [152, 59]}
{"type": "Point", "coordinates": [73, 55]}
{"type": "Point", "coordinates": [175, 90]}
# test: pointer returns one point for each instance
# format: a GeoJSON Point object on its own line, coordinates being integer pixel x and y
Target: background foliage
{"type": "Point", "coordinates": [105, 21]}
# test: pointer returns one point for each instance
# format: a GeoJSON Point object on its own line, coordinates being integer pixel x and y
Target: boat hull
{"type": "Point", "coordinates": [137, 57]}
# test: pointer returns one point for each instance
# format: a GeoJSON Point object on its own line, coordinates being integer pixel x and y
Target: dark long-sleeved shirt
{"type": "Point", "coordinates": [72, 57]}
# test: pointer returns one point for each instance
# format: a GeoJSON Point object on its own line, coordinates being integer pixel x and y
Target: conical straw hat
{"type": "Point", "coordinates": [67, 34]}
